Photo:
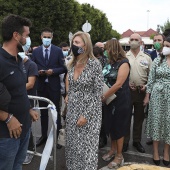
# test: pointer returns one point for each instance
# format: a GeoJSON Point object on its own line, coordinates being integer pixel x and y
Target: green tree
{"type": "Point", "coordinates": [165, 26]}
{"type": "Point", "coordinates": [101, 27]}
{"type": "Point", "coordinates": [62, 16]}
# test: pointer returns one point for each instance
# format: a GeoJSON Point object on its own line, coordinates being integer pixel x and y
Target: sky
{"type": "Point", "coordinates": [133, 14]}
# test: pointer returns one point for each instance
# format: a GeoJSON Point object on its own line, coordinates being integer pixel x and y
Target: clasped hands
{"type": "Point", "coordinates": [45, 72]}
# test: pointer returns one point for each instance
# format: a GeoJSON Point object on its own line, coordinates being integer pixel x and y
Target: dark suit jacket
{"type": "Point", "coordinates": [56, 63]}
{"type": "Point", "coordinates": [152, 53]}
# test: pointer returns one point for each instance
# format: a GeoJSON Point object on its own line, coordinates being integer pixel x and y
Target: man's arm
{"type": "Point", "coordinates": [61, 68]}
{"type": "Point", "coordinates": [5, 98]}
{"type": "Point", "coordinates": [31, 82]}
{"type": "Point", "coordinates": [14, 126]}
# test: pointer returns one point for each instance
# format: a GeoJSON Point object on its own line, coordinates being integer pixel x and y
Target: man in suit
{"type": "Point", "coordinates": [158, 40]}
{"type": "Point", "coordinates": [50, 61]}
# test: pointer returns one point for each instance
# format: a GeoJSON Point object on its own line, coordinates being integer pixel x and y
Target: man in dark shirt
{"type": "Point", "coordinates": [14, 112]}
{"type": "Point", "coordinates": [31, 87]}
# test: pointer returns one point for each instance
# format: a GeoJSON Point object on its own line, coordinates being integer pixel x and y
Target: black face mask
{"type": "Point", "coordinates": [77, 50]}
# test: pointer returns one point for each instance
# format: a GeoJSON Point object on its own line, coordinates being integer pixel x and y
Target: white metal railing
{"type": "Point", "coordinates": [52, 138]}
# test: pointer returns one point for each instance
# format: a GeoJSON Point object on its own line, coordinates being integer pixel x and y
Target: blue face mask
{"type": "Point", "coordinates": [65, 53]}
{"type": "Point", "coordinates": [46, 41]}
{"type": "Point", "coordinates": [22, 55]}
{"type": "Point", "coordinates": [27, 44]}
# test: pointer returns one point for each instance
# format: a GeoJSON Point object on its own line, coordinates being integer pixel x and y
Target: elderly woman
{"type": "Point", "coordinates": [158, 90]}
{"type": "Point", "coordinates": [84, 85]}
{"type": "Point", "coordinates": [117, 113]}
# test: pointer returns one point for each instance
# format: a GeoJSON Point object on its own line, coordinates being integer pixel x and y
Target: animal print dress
{"type": "Point", "coordinates": [84, 98]}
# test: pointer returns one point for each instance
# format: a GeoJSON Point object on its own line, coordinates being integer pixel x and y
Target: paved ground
{"type": "Point", "coordinates": [130, 156]}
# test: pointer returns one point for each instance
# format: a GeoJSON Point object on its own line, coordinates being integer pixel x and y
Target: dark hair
{"type": "Point", "coordinates": [115, 51]}
{"type": "Point", "coordinates": [13, 23]}
{"type": "Point", "coordinates": [46, 30]}
{"type": "Point", "coordinates": [162, 56]}
{"type": "Point", "coordinates": [63, 44]}
{"type": "Point", "coordinates": [97, 51]}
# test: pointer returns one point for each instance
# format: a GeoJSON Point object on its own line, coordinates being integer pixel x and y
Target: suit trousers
{"type": "Point", "coordinates": [55, 98]}
{"type": "Point", "coordinates": [137, 98]}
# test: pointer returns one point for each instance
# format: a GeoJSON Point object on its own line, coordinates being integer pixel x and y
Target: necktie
{"type": "Point", "coordinates": [46, 56]}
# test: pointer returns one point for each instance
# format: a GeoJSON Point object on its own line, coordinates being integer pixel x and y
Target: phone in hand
{"type": "Point", "coordinates": [42, 71]}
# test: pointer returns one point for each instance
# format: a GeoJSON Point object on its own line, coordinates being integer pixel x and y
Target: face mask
{"type": "Point", "coordinates": [106, 53]}
{"type": "Point", "coordinates": [157, 46]}
{"type": "Point", "coordinates": [65, 53]}
{"type": "Point", "coordinates": [27, 44]}
{"type": "Point", "coordinates": [46, 41]}
{"type": "Point", "coordinates": [22, 55]}
{"type": "Point", "coordinates": [77, 50]}
{"type": "Point", "coordinates": [134, 44]}
{"type": "Point", "coordinates": [166, 51]}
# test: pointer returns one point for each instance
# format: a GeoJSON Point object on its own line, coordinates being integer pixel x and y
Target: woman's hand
{"type": "Point", "coordinates": [103, 98]}
{"type": "Point", "coordinates": [81, 121]}
{"type": "Point", "coordinates": [66, 99]}
{"type": "Point", "coordinates": [146, 99]}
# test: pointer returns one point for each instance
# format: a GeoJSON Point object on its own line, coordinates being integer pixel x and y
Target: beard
{"type": "Point", "coordinates": [19, 47]}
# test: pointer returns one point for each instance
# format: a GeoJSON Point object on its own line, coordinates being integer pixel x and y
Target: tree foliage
{"type": "Point", "coordinates": [165, 26]}
{"type": "Point", "coordinates": [101, 27]}
{"type": "Point", "coordinates": [62, 16]}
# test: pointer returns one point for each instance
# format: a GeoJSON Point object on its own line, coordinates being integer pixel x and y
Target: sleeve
{"type": "Point", "coordinates": [61, 68]}
{"type": "Point", "coordinates": [150, 63]}
{"type": "Point", "coordinates": [5, 98]}
{"type": "Point", "coordinates": [152, 76]}
{"type": "Point", "coordinates": [98, 91]}
{"type": "Point", "coordinates": [33, 70]}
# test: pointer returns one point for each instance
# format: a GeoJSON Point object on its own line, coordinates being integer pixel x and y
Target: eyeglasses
{"type": "Point", "coordinates": [134, 39]}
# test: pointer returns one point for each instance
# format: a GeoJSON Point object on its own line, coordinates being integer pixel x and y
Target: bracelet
{"type": "Point", "coordinates": [9, 118]}
{"type": "Point", "coordinates": [103, 97]}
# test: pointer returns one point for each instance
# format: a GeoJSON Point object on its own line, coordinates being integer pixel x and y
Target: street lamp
{"type": "Point", "coordinates": [148, 18]}
{"type": "Point", "coordinates": [158, 29]}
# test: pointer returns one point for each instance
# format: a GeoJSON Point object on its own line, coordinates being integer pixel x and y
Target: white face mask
{"type": "Point", "coordinates": [22, 55]}
{"type": "Point", "coordinates": [134, 44]}
{"type": "Point", "coordinates": [46, 41]}
{"type": "Point", "coordinates": [27, 44]}
{"type": "Point", "coordinates": [166, 51]}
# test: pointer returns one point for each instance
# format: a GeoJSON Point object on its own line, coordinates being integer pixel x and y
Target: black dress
{"type": "Point", "coordinates": [117, 113]}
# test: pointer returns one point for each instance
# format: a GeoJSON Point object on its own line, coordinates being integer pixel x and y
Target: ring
{"type": "Point", "coordinates": [21, 124]}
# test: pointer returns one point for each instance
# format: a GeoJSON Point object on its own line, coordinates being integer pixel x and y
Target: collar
{"type": "Point", "coordinates": [49, 48]}
{"type": "Point", "coordinates": [9, 56]}
{"type": "Point", "coordinates": [129, 53]}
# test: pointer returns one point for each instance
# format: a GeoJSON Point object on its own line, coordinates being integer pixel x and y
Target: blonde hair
{"type": "Point", "coordinates": [115, 51]}
{"type": "Point", "coordinates": [88, 52]}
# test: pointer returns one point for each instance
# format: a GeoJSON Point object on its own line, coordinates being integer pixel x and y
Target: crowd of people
{"type": "Point", "coordinates": [78, 73]}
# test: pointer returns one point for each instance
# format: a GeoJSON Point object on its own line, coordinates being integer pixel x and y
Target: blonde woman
{"type": "Point", "coordinates": [84, 84]}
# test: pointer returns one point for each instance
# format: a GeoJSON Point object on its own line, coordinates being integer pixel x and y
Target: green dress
{"type": "Point", "coordinates": [158, 121]}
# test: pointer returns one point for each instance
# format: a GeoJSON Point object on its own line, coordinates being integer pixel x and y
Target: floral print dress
{"type": "Point", "coordinates": [158, 121]}
{"type": "Point", "coordinates": [84, 98]}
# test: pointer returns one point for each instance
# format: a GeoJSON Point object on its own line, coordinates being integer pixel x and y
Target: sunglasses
{"type": "Point", "coordinates": [134, 39]}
